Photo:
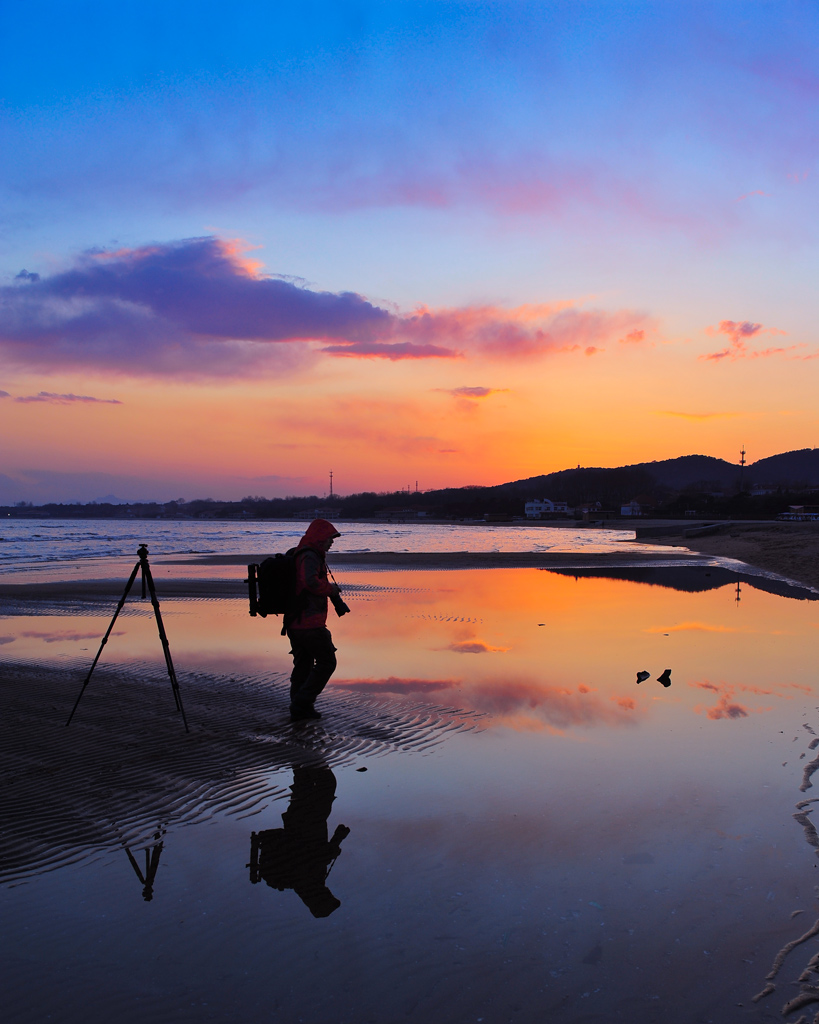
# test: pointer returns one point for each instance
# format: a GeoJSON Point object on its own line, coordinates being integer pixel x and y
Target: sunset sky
{"type": "Point", "coordinates": [457, 243]}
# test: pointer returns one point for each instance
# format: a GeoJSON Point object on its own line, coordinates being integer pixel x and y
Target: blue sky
{"type": "Point", "coordinates": [658, 158]}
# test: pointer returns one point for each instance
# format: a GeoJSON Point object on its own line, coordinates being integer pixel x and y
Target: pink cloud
{"type": "Point", "coordinates": [724, 708]}
{"type": "Point", "coordinates": [475, 647]}
{"type": "Point", "coordinates": [739, 333]}
{"type": "Point", "coordinates": [191, 308]}
{"type": "Point", "coordinates": [392, 684]}
{"type": "Point", "coordinates": [526, 330]}
{"type": "Point", "coordinates": [64, 635]}
{"type": "Point", "coordinates": [516, 703]}
{"type": "Point", "coordinates": [727, 707]}
{"type": "Point", "coordinates": [48, 396]}
{"type": "Point", "coordinates": [472, 394]}
{"type": "Point", "coordinates": [201, 308]}
{"type": "Point", "coordinates": [400, 350]}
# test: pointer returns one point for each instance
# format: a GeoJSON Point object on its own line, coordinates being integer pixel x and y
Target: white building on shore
{"type": "Point", "coordinates": [544, 508]}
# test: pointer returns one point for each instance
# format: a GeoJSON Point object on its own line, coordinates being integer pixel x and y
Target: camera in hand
{"type": "Point", "coordinates": [339, 605]}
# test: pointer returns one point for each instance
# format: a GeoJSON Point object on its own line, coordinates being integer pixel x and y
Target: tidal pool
{"type": "Point", "coordinates": [537, 836]}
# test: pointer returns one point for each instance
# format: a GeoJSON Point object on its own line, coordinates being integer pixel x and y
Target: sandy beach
{"type": "Point", "coordinates": [789, 549]}
{"type": "Point", "coordinates": [518, 807]}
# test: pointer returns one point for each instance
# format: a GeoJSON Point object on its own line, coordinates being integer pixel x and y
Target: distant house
{"type": "Point", "coordinates": [801, 514]}
{"type": "Point", "coordinates": [633, 508]}
{"type": "Point", "coordinates": [395, 515]}
{"type": "Point", "coordinates": [545, 508]}
{"type": "Point", "coordinates": [319, 513]}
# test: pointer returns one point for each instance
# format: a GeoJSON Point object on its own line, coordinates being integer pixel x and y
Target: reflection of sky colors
{"type": "Point", "coordinates": [533, 649]}
{"type": "Point", "coordinates": [455, 243]}
{"type": "Point", "coordinates": [618, 851]}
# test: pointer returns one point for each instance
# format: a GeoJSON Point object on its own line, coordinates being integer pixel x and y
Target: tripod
{"type": "Point", "coordinates": [151, 865]}
{"type": "Point", "coordinates": [147, 581]}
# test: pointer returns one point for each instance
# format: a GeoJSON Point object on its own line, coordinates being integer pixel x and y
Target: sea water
{"type": "Point", "coordinates": [26, 544]}
{"type": "Point", "coordinates": [537, 835]}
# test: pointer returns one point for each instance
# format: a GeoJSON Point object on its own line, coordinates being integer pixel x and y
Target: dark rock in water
{"type": "Point", "coordinates": [665, 678]}
{"type": "Point", "coordinates": [642, 676]}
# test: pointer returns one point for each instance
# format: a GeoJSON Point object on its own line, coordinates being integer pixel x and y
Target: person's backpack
{"type": "Point", "coordinates": [272, 586]}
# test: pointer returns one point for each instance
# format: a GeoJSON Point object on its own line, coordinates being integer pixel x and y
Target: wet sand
{"type": "Point", "coordinates": [788, 549]}
{"type": "Point", "coordinates": [457, 559]}
{"type": "Point", "coordinates": [125, 765]}
{"type": "Point", "coordinates": [791, 555]}
{"type": "Point", "coordinates": [648, 873]}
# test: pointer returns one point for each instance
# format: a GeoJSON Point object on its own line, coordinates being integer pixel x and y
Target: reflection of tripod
{"type": "Point", "coordinates": [147, 580]}
{"type": "Point", "coordinates": [151, 865]}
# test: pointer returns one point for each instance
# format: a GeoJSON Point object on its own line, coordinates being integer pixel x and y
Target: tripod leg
{"type": "Point", "coordinates": [128, 586]}
{"type": "Point", "coordinates": [177, 696]}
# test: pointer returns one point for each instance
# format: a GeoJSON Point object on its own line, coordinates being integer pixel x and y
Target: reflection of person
{"type": "Point", "coordinates": [311, 643]}
{"type": "Point", "coordinates": [299, 856]}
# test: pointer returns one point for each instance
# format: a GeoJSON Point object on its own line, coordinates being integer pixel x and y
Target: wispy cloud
{"type": "Point", "coordinates": [697, 417]}
{"type": "Point", "coordinates": [471, 394]}
{"type": "Point", "coordinates": [517, 703]}
{"type": "Point", "coordinates": [398, 350]}
{"type": "Point", "coordinates": [526, 330]}
{"type": "Point", "coordinates": [392, 684]}
{"type": "Point", "coordinates": [4, 394]}
{"type": "Point", "coordinates": [694, 627]}
{"type": "Point", "coordinates": [740, 332]}
{"type": "Point", "coordinates": [49, 396]}
{"type": "Point", "coordinates": [60, 636]}
{"type": "Point", "coordinates": [201, 308]}
{"type": "Point", "coordinates": [475, 647]}
{"type": "Point", "coordinates": [726, 705]}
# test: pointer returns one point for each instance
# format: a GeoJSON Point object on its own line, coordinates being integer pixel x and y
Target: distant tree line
{"type": "Point", "coordinates": [601, 488]}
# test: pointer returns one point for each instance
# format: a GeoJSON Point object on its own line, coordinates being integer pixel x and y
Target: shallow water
{"type": "Point", "coordinates": [536, 837]}
{"type": "Point", "coordinates": [27, 545]}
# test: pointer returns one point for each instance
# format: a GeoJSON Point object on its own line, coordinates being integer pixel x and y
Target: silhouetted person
{"type": "Point", "coordinates": [311, 643]}
{"type": "Point", "coordinates": [299, 856]}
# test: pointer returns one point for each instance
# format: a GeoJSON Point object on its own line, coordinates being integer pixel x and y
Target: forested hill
{"type": "Point", "coordinates": [598, 484]}
{"type": "Point", "coordinates": [789, 469]}
{"type": "Point", "coordinates": [794, 469]}
{"type": "Point", "coordinates": [669, 485]}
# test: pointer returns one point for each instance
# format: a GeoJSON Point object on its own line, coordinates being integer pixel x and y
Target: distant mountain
{"type": "Point", "coordinates": [796, 469]}
{"type": "Point", "coordinates": [624, 482]}
{"type": "Point", "coordinates": [689, 470]}
{"type": "Point", "coordinates": [800, 468]}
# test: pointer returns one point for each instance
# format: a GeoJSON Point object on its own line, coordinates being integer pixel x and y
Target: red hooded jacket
{"type": "Point", "coordinates": [312, 585]}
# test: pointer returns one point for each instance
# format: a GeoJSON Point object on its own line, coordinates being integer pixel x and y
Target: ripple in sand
{"type": "Point", "coordinates": [125, 768]}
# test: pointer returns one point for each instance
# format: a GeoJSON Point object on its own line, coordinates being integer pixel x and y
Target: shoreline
{"type": "Point", "coordinates": [790, 550]}
{"type": "Point", "coordinates": [679, 569]}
